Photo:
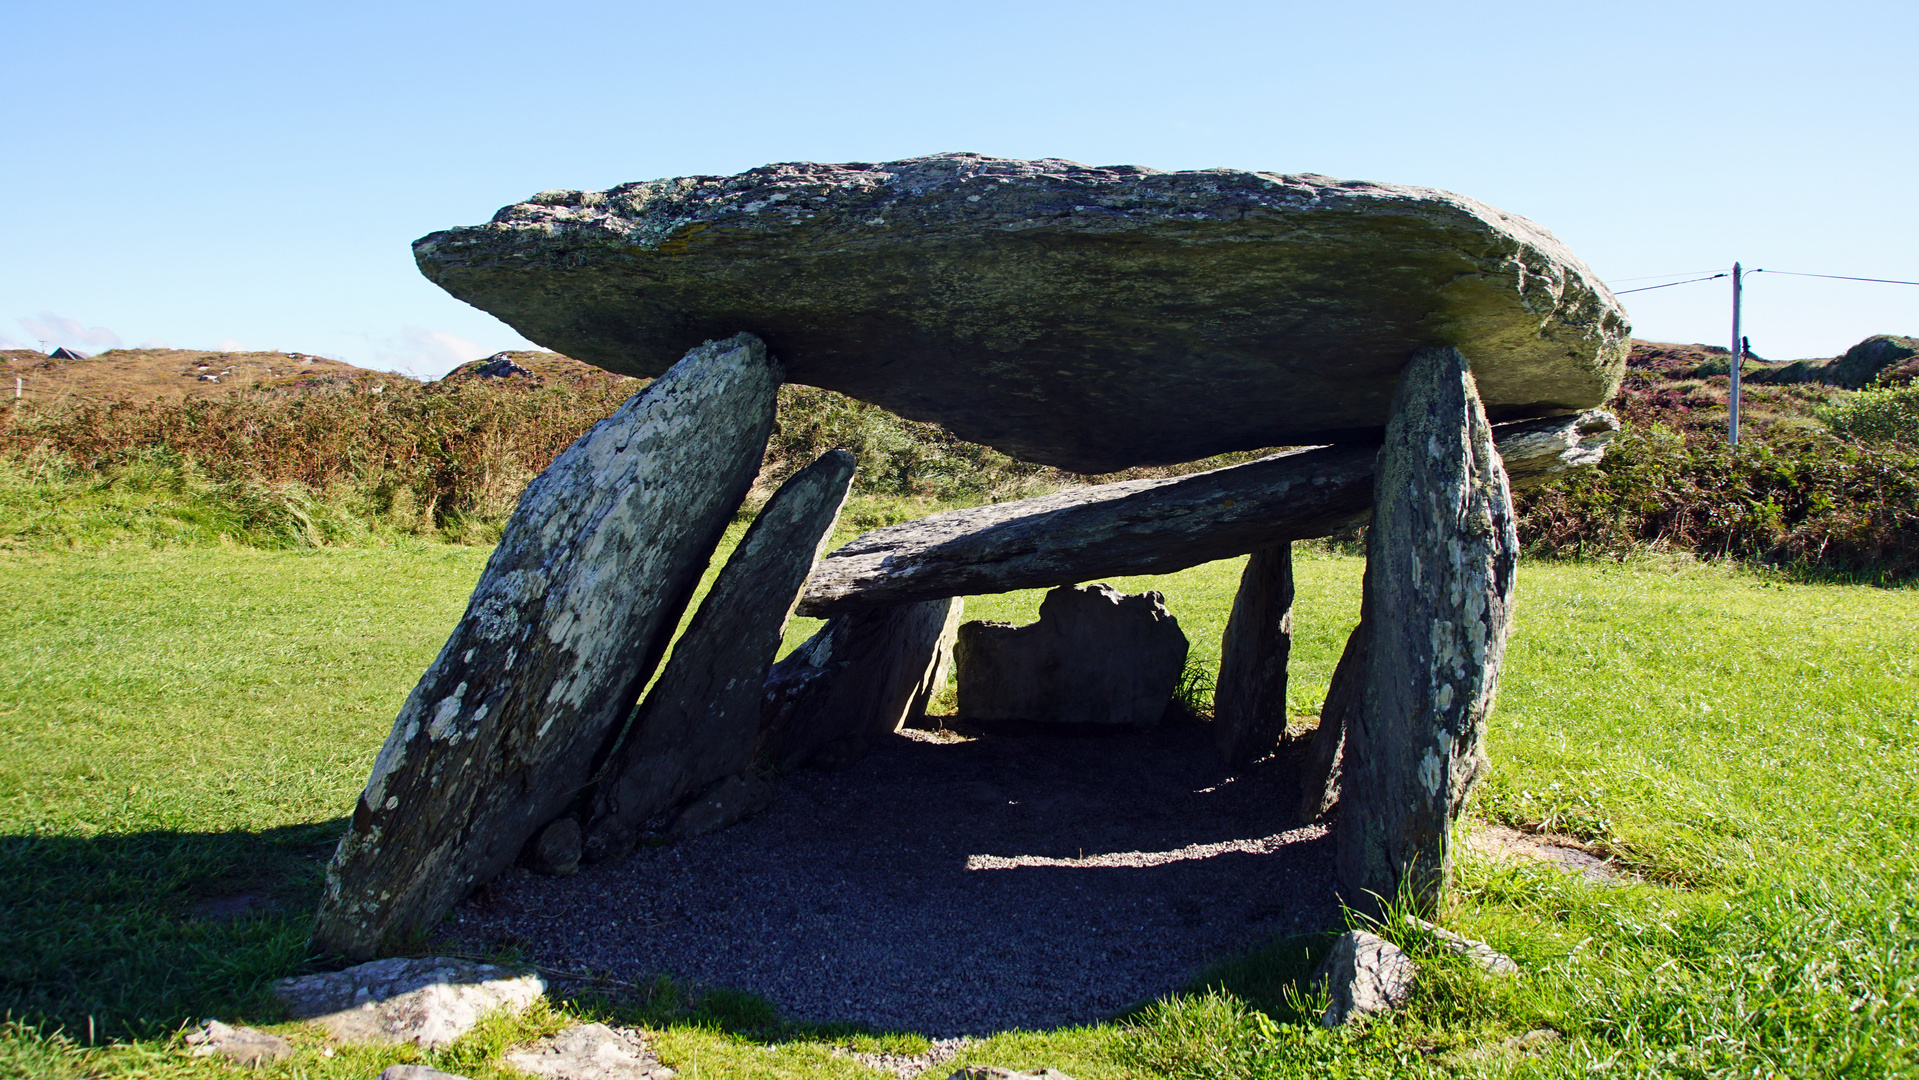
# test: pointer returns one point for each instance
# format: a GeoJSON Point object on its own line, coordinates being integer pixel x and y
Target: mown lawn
{"type": "Point", "coordinates": [185, 726]}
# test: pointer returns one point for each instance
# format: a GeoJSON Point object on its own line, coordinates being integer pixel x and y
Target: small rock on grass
{"type": "Point", "coordinates": [591, 1052]}
{"type": "Point", "coordinates": [417, 1072]}
{"type": "Point", "coordinates": [429, 1002]}
{"type": "Point", "coordinates": [242, 1046]}
{"type": "Point", "coordinates": [1364, 975]}
{"type": "Point", "coordinates": [1487, 957]}
{"type": "Point", "coordinates": [996, 1072]}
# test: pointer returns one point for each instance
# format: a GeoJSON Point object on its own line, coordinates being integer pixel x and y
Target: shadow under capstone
{"type": "Point", "coordinates": [1017, 880]}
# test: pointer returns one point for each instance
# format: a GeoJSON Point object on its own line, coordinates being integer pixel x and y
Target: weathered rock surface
{"type": "Point", "coordinates": [866, 673]}
{"type": "Point", "coordinates": [1149, 526]}
{"type": "Point", "coordinates": [591, 1052]}
{"type": "Point", "coordinates": [571, 615]}
{"type": "Point", "coordinates": [429, 1002]}
{"type": "Point", "coordinates": [556, 850]}
{"type": "Point", "coordinates": [1364, 975]}
{"type": "Point", "coordinates": [416, 1072]}
{"type": "Point", "coordinates": [1491, 960]}
{"type": "Point", "coordinates": [1096, 656]}
{"type": "Point", "coordinates": [1249, 697]}
{"type": "Point", "coordinates": [243, 1046]}
{"type": "Point", "coordinates": [701, 720]}
{"type": "Point", "coordinates": [998, 1072]}
{"type": "Point", "coordinates": [1440, 559]}
{"type": "Point", "coordinates": [731, 800]}
{"type": "Point", "coordinates": [1025, 304]}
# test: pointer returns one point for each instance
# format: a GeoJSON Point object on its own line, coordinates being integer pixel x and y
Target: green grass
{"type": "Point", "coordinates": [186, 724]}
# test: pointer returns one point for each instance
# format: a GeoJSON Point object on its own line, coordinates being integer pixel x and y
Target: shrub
{"type": "Point", "coordinates": [1887, 414]}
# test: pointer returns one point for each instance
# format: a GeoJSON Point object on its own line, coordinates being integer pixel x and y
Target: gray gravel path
{"type": "Point", "coordinates": [951, 888]}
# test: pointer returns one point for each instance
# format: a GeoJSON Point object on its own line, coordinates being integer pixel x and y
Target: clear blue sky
{"type": "Point", "coordinates": [195, 173]}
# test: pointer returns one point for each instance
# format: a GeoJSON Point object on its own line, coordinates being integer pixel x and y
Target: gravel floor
{"type": "Point", "coordinates": [951, 888]}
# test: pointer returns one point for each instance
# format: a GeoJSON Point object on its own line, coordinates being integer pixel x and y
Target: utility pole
{"type": "Point", "coordinates": [1738, 361]}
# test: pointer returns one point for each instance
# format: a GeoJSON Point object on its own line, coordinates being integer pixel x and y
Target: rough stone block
{"type": "Point", "coordinates": [1364, 975]}
{"type": "Point", "coordinates": [1096, 656]}
{"type": "Point", "coordinates": [428, 1002]}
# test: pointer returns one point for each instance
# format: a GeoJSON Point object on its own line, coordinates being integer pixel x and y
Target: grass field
{"type": "Point", "coordinates": [184, 727]}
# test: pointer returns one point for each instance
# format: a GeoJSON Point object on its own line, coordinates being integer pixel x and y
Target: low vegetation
{"type": "Point", "coordinates": [1740, 741]}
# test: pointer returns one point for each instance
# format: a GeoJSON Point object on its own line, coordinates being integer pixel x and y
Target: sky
{"type": "Point", "coordinates": [223, 175]}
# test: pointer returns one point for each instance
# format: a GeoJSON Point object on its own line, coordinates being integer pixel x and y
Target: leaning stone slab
{"type": "Point", "coordinates": [243, 1045]}
{"type": "Point", "coordinates": [1440, 560]}
{"type": "Point", "coordinates": [1364, 975]}
{"type": "Point", "coordinates": [1095, 656]}
{"type": "Point", "coordinates": [701, 720]}
{"type": "Point", "coordinates": [1249, 697]}
{"type": "Point", "coordinates": [1149, 526]}
{"type": "Point", "coordinates": [1089, 318]}
{"type": "Point", "coordinates": [591, 1052]}
{"type": "Point", "coordinates": [862, 675]}
{"type": "Point", "coordinates": [567, 622]}
{"type": "Point", "coordinates": [1345, 695]}
{"type": "Point", "coordinates": [428, 1002]}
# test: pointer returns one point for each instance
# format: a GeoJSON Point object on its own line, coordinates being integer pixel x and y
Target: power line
{"type": "Point", "coordinates": [1834, 277]}
{"type": "Point", "coordinates": [1655, 277]}
{"type": "Point", "coordinates": [1670, 284]}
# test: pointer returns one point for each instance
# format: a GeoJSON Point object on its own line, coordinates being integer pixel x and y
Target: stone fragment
{"type": "Point", "coordinates": [1148, 526]}
{"type": "Point", "coordinates": [1488, 958]}
{"type": "Point", "coordinates": [1096, 656]}
{"type": "Point", "coordinates": [1364, 975]}
{"type": "Point", "coordinates": [571, 615]}
{"type": "Point", "coordinates": [1249, 697]}
{"type": "Point", "coordinates": [996, 1072]}
{"type": "Point", "coordinates": [556, 851]}
{"type": "Point", "coordinates": [1440, 559]}
{"type": "Point", "coordinates": [731, 800]}
{"type": "Point", "coordinates": [243, 1045]}
{"type": "Point", "coordinates": [701, 720]}
{"type": "Point", "coordinates": [428, 1002]}
{"type": "Point", "coordinates": [1026, 304]}
{"type": "Point", "coordinates": [416, 1072]}
{"type": "Point", "coordinates": [591, 1052]}
{"type": "Point", "coordinates": [862, 674]}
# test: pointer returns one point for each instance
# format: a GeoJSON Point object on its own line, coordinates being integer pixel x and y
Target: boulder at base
{"type": "Point", "coordinates": [565, 626]}
{"type": "Point", "coordinates": [428, 1002]}
{"type": "Point", "coordinates": [1088, 318]}
{"type": "Point", "coordinates": [1096, 656]}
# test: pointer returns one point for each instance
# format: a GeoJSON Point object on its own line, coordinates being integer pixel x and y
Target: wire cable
{"type": "Point", "coordinates": [1834, 277]}
{"type": "Point", "coordinates": [1670, 284]}
{"type": "Point", "coordinates": [1655, 277]}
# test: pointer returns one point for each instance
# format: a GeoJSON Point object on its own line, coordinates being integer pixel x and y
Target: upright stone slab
{"type": "Point", "coordinates": [1096, 656]}
{"type": "Point", "coordinates": [563, 630]}
{"type": "Point", "coordinates": [701, 720]}
{"type": "Point", "coordinates": [864, 674]}
{"type": "Point", "coordinates": [1249, 698]}
{"type": "Point", "coordinates": [1440, 557]}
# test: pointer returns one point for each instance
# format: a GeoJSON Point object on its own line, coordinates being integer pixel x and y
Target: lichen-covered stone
{"type": "Point", "coordinates": [565, 626]}
{"type": "Point", "coordinates": [701, 719]}
{"type": "Point", "coordinates": [1440, 560]}
{"type": "Point", "coordinates": [428, 1002]}
{"type": "Point", "coordinates": [1149, 526]}
{"type": "Point", "coordinates": [1089, 318]}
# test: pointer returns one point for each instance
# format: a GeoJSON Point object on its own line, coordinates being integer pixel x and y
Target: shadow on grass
{"type": "Point", "coordinates": [131, 935]}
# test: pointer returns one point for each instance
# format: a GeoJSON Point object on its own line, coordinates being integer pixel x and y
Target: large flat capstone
{"type": "Point", "coordinates": [1088, 318]}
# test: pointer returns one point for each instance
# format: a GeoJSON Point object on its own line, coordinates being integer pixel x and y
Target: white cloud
{"type": "Point", "coordinates": [227, 344]}
{"type": "Point", "coordinates": [60, 330]}
{"type": "Point", "coordinates": [154, 343]}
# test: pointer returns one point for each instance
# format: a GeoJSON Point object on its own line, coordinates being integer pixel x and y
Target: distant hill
{"type": "Point", "coordinates": [171, 374]}
{"type": "Point", "coordinates": [535, 368]}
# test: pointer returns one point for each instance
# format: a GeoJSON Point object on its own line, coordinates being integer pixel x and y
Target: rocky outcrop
{"type": "Point", "coordinates": [1249, 697]}
{"type": "Point", "coordinates": [1149, 526]}
{"type": "Point", "coordinates": [1096, 656]}
{"type": "Point", "coordinates": [428, 1002]}
{"type": "Point", "coordinates": [1364, 975]}
{"type": "Point", "coordinates": [1440, 560]}
{"type": "Point", "coordinates": [1028, 304]}
{"type": "Point", "coordinates": [701, 720]}
{"type": "Point", "coordinates": [864, 674]}
{"type": "Point", "coordinates": [244, 1046]}
{"type": "Point", "coordinates": [567, 623]}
